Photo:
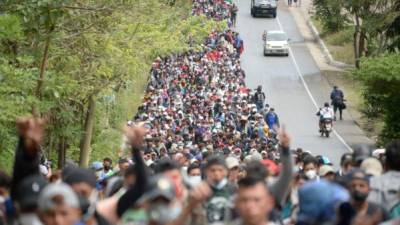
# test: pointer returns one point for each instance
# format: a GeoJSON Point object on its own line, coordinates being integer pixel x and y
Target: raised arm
{"type": "Point", "coordinates": [135, 136]}
{"type": "Point", "coordinates": [26, 161]}
{"type": "Point", "coordinates": [280, 188]}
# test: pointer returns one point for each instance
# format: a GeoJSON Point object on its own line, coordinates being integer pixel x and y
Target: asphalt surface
{"type": "Point", "coordinates": [293, 85]}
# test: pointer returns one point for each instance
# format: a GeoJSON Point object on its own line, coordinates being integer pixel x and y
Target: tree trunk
{"type": "Point", "coordinates": [357, 41]}
{"type": "Point", "coordinates": [361, 47]}
{"type": "Point", "coordinates": [61, 152]}
{"type": "Point", "coordinates": [87, 134]}
{"type": "Point", "coordinates": [42, 68]}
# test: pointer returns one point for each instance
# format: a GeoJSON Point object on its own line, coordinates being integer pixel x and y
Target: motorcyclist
{"type": "Point", "coordinates": [324, 113]}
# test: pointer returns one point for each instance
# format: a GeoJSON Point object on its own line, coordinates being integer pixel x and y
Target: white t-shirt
{"type": "Point", "coordinates": [326, 113]}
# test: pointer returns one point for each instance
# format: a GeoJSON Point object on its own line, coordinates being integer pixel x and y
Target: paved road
{"type": "Point", "coordinates": [294, 85]}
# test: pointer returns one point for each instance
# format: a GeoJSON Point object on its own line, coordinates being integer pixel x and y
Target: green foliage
{"type": "Point", "coordinates": [330, 14]}
{"type": "Point", "coordinates": [381, 79]}
{"type": "Point", "coordinates": [100, 48]}
{"type": "Point", "coordinates": [10, 28]}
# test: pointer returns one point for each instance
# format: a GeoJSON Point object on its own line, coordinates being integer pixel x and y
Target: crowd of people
{"type": "Point", "coordinates": [203, 149]}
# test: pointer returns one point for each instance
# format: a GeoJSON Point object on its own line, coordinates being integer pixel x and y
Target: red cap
{"type": "Point", "coordinates": [271, 166]}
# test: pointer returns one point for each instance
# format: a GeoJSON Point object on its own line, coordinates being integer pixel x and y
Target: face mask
{"type": "Point", "coordinates": [220, 184]}
{"type": "Point", "coordinates": [311, 174]}
{"type": "Point", "coordinates": [194, 180]}
{"type": "Point", "coordinates": [359, 196]}
{"type": "Point", "coordinates": [162, 214]}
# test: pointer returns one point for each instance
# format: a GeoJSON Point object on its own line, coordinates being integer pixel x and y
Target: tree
{"type": "Point", "coordinates": [375, 22]}
{"type": "Point", "coordinates": [330, 14]}
{"type": "Point", "coordinates": [381, 79]}
{"type": "Point", "coordinates": [64, 57]}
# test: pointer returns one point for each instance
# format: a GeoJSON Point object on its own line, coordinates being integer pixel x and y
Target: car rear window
{"type": "Point", "coordinates": [276, 37]}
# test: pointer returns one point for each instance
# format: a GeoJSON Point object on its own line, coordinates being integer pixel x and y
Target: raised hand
{"type": "Point", "coordinates": [135, 134]}
{"type": "Point", "coordinates": [284, 137]}
{"type": "Point", "coordinates": [199, 194]}
{"type": "Point", "coordinates": [32, 131]}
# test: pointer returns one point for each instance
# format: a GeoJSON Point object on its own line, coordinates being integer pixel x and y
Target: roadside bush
{"type": "Point", "coordinates": [381, 79]}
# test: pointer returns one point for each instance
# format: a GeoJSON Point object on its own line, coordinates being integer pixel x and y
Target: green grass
{"type": "Point", "coordinates": [340, 44]}
{"type": "Point", "coordinates": [343, 53]}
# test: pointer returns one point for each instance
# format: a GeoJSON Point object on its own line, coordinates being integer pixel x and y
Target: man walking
{"type": "Point", "coordinates": [259, 98]}
{"type": "Point", "coordinates": [234, 10]}
{"type": "Point", "coordinates": [337, 99]}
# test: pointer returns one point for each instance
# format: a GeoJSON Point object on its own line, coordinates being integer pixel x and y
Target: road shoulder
{"type": "Point", "coordinates": [356, 129]}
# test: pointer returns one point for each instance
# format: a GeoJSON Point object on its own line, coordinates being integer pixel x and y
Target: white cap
{"type": "Point", "coordinates": [325, 169]}
{"type": "Point", "coordinates": [231, 162]}
{"type": "Point", "coordinates": [47, 199]}
{"type": "Point", "coordinates": [378, 152]}
{"type": "Point", "coordinates": [372, 166]}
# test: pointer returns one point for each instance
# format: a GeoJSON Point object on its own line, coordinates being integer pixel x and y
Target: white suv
{"type": "Point", "coordinates": [275, 43]}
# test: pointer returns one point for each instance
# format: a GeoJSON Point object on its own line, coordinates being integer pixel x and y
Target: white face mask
{"type": "Point", "coordinates": [194, 180]}
{"type": "Point", "coordinates": [311, 174]}
{"type": "Point", "coordinates": [162, 214]}
{"type": "Point", "coordinates": [221, 184]}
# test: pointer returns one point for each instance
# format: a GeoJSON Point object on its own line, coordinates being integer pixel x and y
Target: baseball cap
{"type": "Point", "coordinates": [326, 160]}
{"type": "Point", "coordinates": [63, 192]}
{"type": "Point", "coordinates": [80, 175]}
{"type": "Point", "coordinates": [96, 166]}
{"type": "Point", "coordinates": [29, 189]}
{"type": "Point", "coordinates": [158, 186]}
{"type": "Point", "coordinates": [357, 173]}
{"type": "Point", "coordinates": [256, 156]}
{"type": "Point", "coordinates": [346, 158]}
{"type": "Point", "coordinates": [325, 169]}
{"type": "Point", "coordinates": [271, 166]}
{"type": "Point", "coordinates": [377, 152]}
{"type": "Point", "coordinates": [232, 162]}
{"type": "Point", "coordinates": [361, 152]}
{"type": "Point", "coordinates": [372, 166]}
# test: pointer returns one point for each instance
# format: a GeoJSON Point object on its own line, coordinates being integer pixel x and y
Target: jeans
{"type": "Point", "coordinates": [260, 106]}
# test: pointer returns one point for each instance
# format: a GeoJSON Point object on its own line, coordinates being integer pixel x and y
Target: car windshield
{"type": "Point", "coordinates": [276, 37]}
{"type": "Point", "coordinates": [263, 1]}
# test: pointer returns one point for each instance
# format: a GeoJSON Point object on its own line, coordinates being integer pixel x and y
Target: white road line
{"type": "Point", "coordinates": [291, 55]}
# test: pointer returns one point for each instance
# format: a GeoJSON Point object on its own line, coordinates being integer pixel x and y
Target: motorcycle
{"type": "Point", "coordinates": [327, 127]}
